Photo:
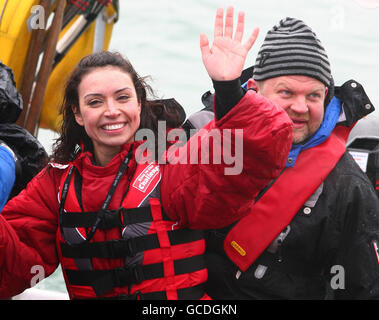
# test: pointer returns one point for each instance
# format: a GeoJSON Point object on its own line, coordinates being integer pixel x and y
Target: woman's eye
{"type": "Point", "coordinates": [93, 102]}
{"type": "Point", "coordinates": [123, 98]}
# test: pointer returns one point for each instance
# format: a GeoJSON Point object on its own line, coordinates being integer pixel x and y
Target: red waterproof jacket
{"type": "Point", "coordinates": [193, 195]}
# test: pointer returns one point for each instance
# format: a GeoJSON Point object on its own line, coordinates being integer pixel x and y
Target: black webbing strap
{"type": "Point", "coordinates": [181, 236]}
{"type": "Point", "coordinates": [190, 293]}
{"type": "Point", "coordinates": [63, 197]}
{"type": "Point", "coordinates": [108, 218]}
{"type": "Point", "coordinates": [103, 281]}
{"type": "Point", "coordinates": [111, 248]}
{"type": "Point", "coordinates": [122, 248]}
{"type": "Point", "coordinates": [78, 184]}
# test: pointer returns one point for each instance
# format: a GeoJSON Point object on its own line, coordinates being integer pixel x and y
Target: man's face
{"type": "Point", "coordinates": [301, 97]}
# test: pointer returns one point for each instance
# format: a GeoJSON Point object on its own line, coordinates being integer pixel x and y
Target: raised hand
{"type": "Point", "coordinates": [226, 58]}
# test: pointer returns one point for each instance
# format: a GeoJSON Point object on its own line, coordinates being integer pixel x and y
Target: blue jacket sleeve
{"type": "Point", "coordinates": [7, 175]}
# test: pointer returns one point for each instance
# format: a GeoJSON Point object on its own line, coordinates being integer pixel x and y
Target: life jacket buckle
{"type": "Point", "coordinates": [99, 218]}
{"type": "Point", "coordinates": [138, 274]}
{"type": "Point", "coordinates": [120, 212]}
{"type": "Point", "coordinates": [136, 295]}
{"type": "Point", "coordinates": [130, 244]}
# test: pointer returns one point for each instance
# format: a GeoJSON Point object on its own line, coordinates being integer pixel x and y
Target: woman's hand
{"type": "Point", "coordinates": [226, 58]}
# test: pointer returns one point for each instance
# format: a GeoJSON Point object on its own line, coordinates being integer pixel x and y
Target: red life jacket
{"type": "Point", "coordinates": [246, 241]}
{"type": "Point", "coordinates": [134, 252]}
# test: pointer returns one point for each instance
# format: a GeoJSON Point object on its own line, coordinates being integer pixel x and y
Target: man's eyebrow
{"type": "Point", "coordinates": [318, 89]}
{"type": "Point", "coordinates": [282, 84]}
{"type": "Point", "coordinates": [285, 85]}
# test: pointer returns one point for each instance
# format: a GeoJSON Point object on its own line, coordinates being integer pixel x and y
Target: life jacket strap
{"type": "Point", "coordinates": [190, 293]}
{"type": "Point", "coordinates": [109, 219]}
{"type": "Point", "coordinates": [103, 281]}
{"type": "Point", "coordinates": [111, 248]}
{"type": "Point", "coordinates": [122, 248]}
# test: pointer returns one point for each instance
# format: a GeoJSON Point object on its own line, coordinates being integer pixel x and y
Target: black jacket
{"type": "Point", "coordinates": [327, 251]}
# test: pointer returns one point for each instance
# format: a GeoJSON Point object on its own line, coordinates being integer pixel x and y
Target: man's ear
{"type": "Point", "coordinates": [252, 84]}
{"type": "Point", "coordinates": [78, 116]}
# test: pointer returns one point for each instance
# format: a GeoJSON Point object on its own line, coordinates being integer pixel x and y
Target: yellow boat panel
{"type": "Point", "coordinates": [14, 34]}
{"type": "Point", "coordinates": [14, 40]}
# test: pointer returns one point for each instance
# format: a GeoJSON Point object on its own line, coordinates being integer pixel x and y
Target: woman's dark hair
{"type": "Point", "coordinates": [73, 135]}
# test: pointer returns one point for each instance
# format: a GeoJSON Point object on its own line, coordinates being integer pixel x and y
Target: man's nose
{"type": "Point", "coordinates": [299, 105]}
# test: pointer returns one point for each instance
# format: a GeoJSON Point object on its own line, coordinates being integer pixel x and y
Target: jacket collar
{"type": "Point", "coordinates": [83, 162]}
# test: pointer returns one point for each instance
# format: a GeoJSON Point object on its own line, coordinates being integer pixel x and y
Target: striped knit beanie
{"type": "Point", "coordinates": [292, 48]}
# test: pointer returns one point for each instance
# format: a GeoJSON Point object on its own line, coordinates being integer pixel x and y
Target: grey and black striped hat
{"type": "Point", "coordinates": [292, 48]}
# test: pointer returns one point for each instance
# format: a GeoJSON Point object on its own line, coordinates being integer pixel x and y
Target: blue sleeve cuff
{"type": "Point", "coordinates": [7, 175]}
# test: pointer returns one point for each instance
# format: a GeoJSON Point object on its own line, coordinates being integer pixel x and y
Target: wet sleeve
{"type": "Point", "coordinates": [28, 226]}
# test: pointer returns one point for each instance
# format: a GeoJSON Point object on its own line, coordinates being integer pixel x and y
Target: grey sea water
{"type": "Point", "coordinates": [161, 38]}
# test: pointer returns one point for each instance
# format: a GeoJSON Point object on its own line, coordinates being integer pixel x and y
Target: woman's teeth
{"type": "Point", "coordinates": [113, 126]}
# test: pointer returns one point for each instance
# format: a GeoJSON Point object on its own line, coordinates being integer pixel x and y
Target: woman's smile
{"type": "Point", "coordinates": [114, 127]}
